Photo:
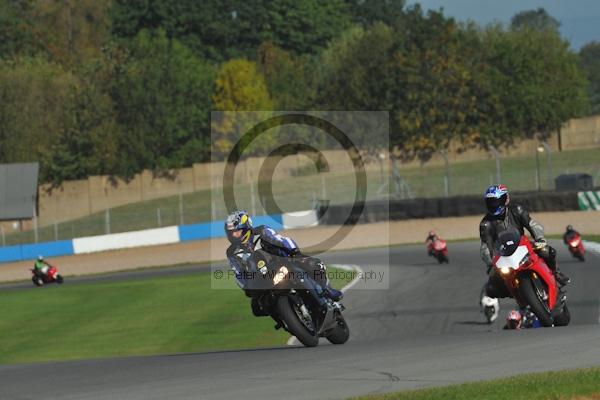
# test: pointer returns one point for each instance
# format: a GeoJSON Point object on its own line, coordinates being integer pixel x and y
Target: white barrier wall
{"type": "Point", "coordinates": [299, 219]}
{"type": "Point", "coordinates": [148, 237]}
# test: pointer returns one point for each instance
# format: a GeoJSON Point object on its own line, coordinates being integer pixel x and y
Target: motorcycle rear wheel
{"type": "Point", "coordinates": [287, 312]}
{"type": "Point", "coordinates": [59, 279]}
{"type": "Point", "coordinates": [529, 293]}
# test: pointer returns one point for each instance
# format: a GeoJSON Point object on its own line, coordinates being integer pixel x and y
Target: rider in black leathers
{"type": "Point", "coordinates": [500, 217]}
{"type": "Point", "coordinates": [243, 254]}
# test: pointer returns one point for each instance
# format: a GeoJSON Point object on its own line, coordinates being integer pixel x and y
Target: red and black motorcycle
{"type": "Point", "coordinates": [39, 278]}
{"type": "Point", "coordinates": [575, 245]}
{"type": "Point", "coordinates": [529, 280]}
{"type": "Point", "coordinates": [439, 250]}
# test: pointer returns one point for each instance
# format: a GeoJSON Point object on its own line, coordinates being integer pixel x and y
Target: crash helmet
{"type": "Point", "coordinates": [513, 320]}
{"type": "Point", "coordinates": [238, 227]}
{"type": "Point", "coordinates": [431, 233]}
{"type": "Point", "coordinates": [496, 199]}
{"type": "Point", "coordinates": [40, 257]}
{"type": "Point", "coordinates": [569, 228]}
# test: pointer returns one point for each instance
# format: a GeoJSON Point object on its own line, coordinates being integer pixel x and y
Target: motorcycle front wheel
{"type": "Point", "coordinates": [533, 292]}
{"type": "Point", "coordinates": [295, 322]}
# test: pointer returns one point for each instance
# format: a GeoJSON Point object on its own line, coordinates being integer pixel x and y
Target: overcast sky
{"type": "Point", "coordinates": [580, 19]}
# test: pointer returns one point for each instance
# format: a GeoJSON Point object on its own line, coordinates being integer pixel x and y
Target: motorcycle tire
{"type": "Point", "coordinates": [563, 318]}
{"type": "Point", "coordinates": [341, 333]}
{"type": "Point", "coordinates": [285, 308]}
{"type": "Point", "coordinates": [59, 279]}
{"type": "Point", "coordinates": [530, 295]}
{"type": "Point", "coordinates": [37, 281]}
{"type": "Point", "coordinates": [579, 256]}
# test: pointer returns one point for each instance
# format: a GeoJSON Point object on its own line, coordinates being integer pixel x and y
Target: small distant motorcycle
{"type": "Point", "coordinates": [575, 245]}
{"type": "Point", "coordinates": [51, 276]}
{"type": "Point", "coordinates": [439, 250]}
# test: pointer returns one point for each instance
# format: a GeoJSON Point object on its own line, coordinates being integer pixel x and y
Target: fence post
{"type": "Point", "coordinates": [252, 198]}
{"type": "Point", "coordinates": [35, 224]}
{"type": "Point", "coordinates": [107, 221]}
{"type": "Point", "coordinates": [180, 208]}
{"type": "Point", "coordinates": [158, 219]}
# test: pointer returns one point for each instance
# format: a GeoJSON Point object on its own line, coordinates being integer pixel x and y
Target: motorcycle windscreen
{"type": "Point", "coordinates": [508, 242]}
{"type": "Point", "coordinates": [514, 259]}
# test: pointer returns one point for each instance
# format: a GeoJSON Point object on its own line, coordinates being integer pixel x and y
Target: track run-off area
{"type": "Point", "coordinates": [425, 329]}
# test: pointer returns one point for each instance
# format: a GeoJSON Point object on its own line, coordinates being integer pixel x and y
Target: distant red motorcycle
{"type": "Point", "coordinates": [39, 279]}
{"type": "Point", "coordinates": [529, 280]}
{"type": "Point", "coordinates": [439, 250]}
{"type": "Point", "coordinates": [575, 245]}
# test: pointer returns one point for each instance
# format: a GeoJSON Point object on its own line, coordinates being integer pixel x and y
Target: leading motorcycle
{"type": "Point", "coordinates": [39, 278]}
{"type": "Point", "coordinates": [529, 280]}
{"type": "Point", "coordinates": [285, 292]}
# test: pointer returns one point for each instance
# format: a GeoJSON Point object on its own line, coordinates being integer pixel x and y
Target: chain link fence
{"type": "Point", "coordinates": [386, 179]}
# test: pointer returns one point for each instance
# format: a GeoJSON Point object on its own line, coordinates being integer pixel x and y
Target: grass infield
{"type": "Point", "coordinates": [578, 384]}
{"type": "Point", "coordinates": [125, 318]}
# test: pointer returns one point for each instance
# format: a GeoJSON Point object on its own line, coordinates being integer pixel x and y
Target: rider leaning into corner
{"type": "Point", "coordinates": [41, 266]}
{"type": "Point", "coordinates": [243, 254]}
{"type": "Point", "coordinates": [502, 215]}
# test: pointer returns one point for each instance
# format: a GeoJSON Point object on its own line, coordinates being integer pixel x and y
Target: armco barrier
{"type": "Point", "coordinates": [148, 237]}
{"type": "Point", "coordinates": [384, 210]}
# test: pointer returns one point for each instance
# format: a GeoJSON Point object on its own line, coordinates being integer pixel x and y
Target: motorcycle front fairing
{"type": "Point", "coordinates": [524, 260]}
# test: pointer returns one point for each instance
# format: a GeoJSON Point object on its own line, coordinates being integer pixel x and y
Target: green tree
{"type": "Point", "coordinates": [534, 19]}
{"type": "Point", "coordinates": [35, 97]}
{"type": "Point", "coordinates": [368, 12]}
{"type": "Point", "coordinates": [590, 63]}
{"type": "Point", "coordinates": [71, 31]}
{"type": "Point", "coordinates": [221, 30]}
{"type": "Point", "coordinates": [16, 34]}
{"type": "Point", "coordinates": [88, 143]}
{"type": "Point", "coordinates": [162, 97]}
{"type": "Point", "coordinates": [289, 78]}
{"type": "Point", "coordinates": [238, 87]}
{"type": "Point", "coordinates": [537, 80]}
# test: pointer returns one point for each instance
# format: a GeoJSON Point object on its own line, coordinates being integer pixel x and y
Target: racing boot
{"type": "Point", "coordinates": [561, 278]}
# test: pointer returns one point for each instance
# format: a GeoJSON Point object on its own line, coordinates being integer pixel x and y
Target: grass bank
{"type": "Point", "coordinates": [136, 317]}
{"type": "Point", "coordinates": [577, 384]}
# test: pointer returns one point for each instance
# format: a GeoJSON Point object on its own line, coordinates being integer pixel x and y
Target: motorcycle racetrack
{"type": "Point", "coordinates": [425, 330]}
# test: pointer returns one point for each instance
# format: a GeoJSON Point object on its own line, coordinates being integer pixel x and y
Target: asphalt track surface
{"type": "Point", "coordinates": [425, 330]}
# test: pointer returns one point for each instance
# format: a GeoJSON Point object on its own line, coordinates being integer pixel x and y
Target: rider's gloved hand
{"type": "Point", "coordinates": [540, 243]}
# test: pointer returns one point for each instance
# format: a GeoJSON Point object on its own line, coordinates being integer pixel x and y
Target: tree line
{"type": "Point", "coordinates": [112, 87]}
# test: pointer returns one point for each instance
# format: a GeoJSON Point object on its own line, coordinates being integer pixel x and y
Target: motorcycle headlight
{"type": "Point", "coordinates": [504, 270]}
{"type": "Point", "coordinates": [280, 275]}
{"type": "Point", "coordinates": [575, 243]}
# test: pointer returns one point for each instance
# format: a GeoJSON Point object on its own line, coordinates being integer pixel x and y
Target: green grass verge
{"type": "Point", "coordinates": [138, 317]}
{"type": "Point", "coordinates": [297, 193]}
{"type": "Point", "coordinates": [548, 385]}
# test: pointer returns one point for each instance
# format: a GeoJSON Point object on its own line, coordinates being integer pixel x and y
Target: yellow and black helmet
{"type": "Point", "coordinates": [239, 221]}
